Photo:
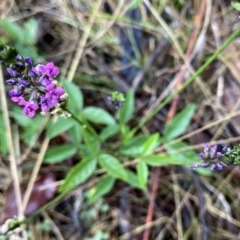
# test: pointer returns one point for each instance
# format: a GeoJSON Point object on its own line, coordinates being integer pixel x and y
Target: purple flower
{"type": "Point", "coordinates": [219, 155]}
{"type": "Point", "coordinates": [55, 94]}
{"type": "Point", "coordinates": [211, 158]}
{"type": "Point", "coordinates": [34, 87]}
{"type": "Point", "coordinates": [15, 92]}
{"type": "Point", "coordinates": [30, 109]}
{"type": "Point", "coordinates": [19, 58]}
{"type": "Point", "coordinates": [22, 102]}
{"type": "Point", "coordinates": [46, 104]}
{"type": "Point", "coordinates": [212, 151]}
{"type": "Point", "coordinates": [213, 167]}
{"type": "Point", "coordinates": [204, 165]}
{"type": "Point", "coordinates": [219, 166]}
{"type": "Point", "coordinates": [12, 72]}
{"type": "Point", "coordinates": [50, 87]}
{"type": "Point", "coordinates": [58, 91]}
{"type": "Point", "coordinates": [194, 166]}
{"type": "Point", "coordinates": [33, 73]}
{"type": "Point", "coordinates": [206, 146]}
{"type": "Point", "coordinates": [45, 80]}
{"type": "Point", "coordinates": [17, 99]}
{"type": "Point", "coordinates": [28, 61]}
{"type": "Point", "coordinates": [24, 83]}
{"type": "Point", "coordinates": [10, 81]}
{"type": "Point", "coordinates": [49, 70]}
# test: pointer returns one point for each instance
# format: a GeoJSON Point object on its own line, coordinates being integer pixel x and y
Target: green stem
{"type": "Point", "coordinates": [145, 119]}
{"type": "Point", "coordinates": [83, 122]}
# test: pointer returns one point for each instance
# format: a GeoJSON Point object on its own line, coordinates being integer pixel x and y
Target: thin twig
{"type": "Point", "coordinates": [177, 203]}
{"type": "Point", "coordinates": [13, 161]}
{"type": "Point", "coordinates": [149, 217]}
{"type": "Point", "coordinates": [12, 157]}
{"type": "Point", "coordinates": [83, 42]}
{"type": "Point", "coordinates": [34, 175]}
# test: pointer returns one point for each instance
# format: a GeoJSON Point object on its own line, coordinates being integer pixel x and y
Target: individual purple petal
{"type": "Point", "coordinates": [46, 104]}
{"type": "Point", "coordinates": [213, 148]}
{"type": "Point", "coordinates": [201, 155]}
{"type": "Point", "coordinates": [30, 109]}
{"type": "Point", "coordinates": [17, 99]}
{"type": "Point", "coordinates": [225, 148]}
{"type": "Point", "coordinates": [219, 155]}
{"type": "Point", "coordinates": [19, 58]}
{"type": "Point", "coordinates": [28, 61]}
{"type": "Point", "coordinates": [49, 65]}
{"type": "Point", "coordinates": [50, 87]}
{"type": "Point", "coordinates": [212, 151]}
{"type": "Point", "coordinates": [55, 95]}
{"type": "Point", "coordinates": [219, 166]}
{"type": "Point", "coordinates": [51, 70]}
{"type": "Point", "coordinates": [194, 166]}
{"type": "Point", "coordinates": [10, 82]}
{"type": "Point", "coordinates": [12, 72]}
{"type": "Point", "coordinates": [223, 164]}
{"type": "Point", "coordinates": [22, 102]}
{"type": "Point", "coordinates": [40, 68]}
{"type": "Point", "coordinates": [15, 92]}
{"type": "Point", "coordinates": [204, 165]}
{"type": "Point", "coordinates": [33, 73]}
{"type": "Point", "coordinates": [58, 91]}
{"type": "Point", "coordinates": [24, 83]}
{"type": "Point", "coordinates": [206, 146]}
{"type": "Point", "coordinates": [213, 167]}
{"type": "Point", "coordinates": [45, 80]}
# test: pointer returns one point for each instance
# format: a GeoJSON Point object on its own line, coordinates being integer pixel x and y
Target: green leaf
{"type": "Point", "coordinates": [20, 118]}
{"type": "Point", "coordinates": [179, 123]}
{"type": "Point", "coordinates": [134, 146]}
{"type": "Point", "coordinates": [59, 153]}
{"type": "Point", "coordinates": [109, 131]}
{"type": "Point", "coordinates": [101, 189]}
{"type": "Point", "coordinates": [75, 133]}
{"type": "Point", "coordinates": [204, 171]}
{"type": "Point", "coordinates": [150, 144]}
{"type": "Point", "coordinates": [31, 131]}
{"type": "Point", "coordinates": [13, 30]}
{"type": "Point", "coordinates": [142, 173]}
{"type": "Point", "coordinates": [132, 179]}
{"type": "Point", "coordinates": [60, 126]}
{"type": "Point", "coordinates": [30, 30]}
{"type": "Point", "coordinates": [75, 98]}
{"type": "Point", "coordinates": [184, 157]}
{"type": "Point", "coordinates": [157, 160]}
{"type": "Point", "coordinates": [28, 51]}
{"type": "Point", "coordinates": [112, 166]}
{"type": "Point", "coordinates": [98, 115]}
{"type": "Point", "coordinates": [236, 5]}
{"type": "Point", "coordinates": [91, 141]}
{"type": "Point", "coordinates": [79, 173]}
{"type": "Point", "coordinates": [126, 111]}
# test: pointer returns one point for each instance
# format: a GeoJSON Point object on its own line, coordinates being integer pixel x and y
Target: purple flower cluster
{"type": "Point", "coordinates": [34, 87]}
{"type": "Point", "coordinates": [211, 158]}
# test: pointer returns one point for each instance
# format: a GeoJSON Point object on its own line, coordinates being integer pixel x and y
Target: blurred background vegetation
{"type": "Point", "coordinates": [150, 47]}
